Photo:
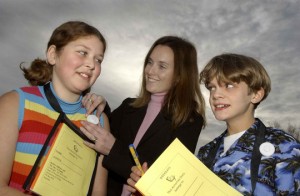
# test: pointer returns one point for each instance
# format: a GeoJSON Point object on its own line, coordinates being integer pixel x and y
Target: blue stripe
{"type": "Point", "coordinates": [29, 148]}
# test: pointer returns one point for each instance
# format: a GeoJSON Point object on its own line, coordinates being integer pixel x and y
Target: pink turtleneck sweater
{"type": "Point", "coordinates": [153, 109]}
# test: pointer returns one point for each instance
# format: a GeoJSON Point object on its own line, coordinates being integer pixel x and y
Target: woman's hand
{"type": "Point", "coordinates": [91, 101]}
{"type": "Point", "coordinates": [135, 175]}
{"type": "Point", "coordinates": [103, 139]}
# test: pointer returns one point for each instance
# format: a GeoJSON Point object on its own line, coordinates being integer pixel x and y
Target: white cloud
{"type": "Point", "coordinates": [267, 30]}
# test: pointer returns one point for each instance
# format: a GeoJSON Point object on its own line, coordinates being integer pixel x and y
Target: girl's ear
{"type": "Point", "coordinates": [51, 54]}
{"type": "Point", "coordinates": [258, 96]}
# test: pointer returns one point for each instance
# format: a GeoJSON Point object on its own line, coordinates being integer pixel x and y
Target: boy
{"type": "Point", "coordinates": [251, 158]}
{"type": "Point", "coordinates": [248, 156]}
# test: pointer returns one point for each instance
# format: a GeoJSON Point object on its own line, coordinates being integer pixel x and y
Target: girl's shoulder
{"type": "Point", "coordinates": [9, 98]}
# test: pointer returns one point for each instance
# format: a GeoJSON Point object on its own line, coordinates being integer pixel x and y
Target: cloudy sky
{"type": "Point", "coordinates": [267, 30]}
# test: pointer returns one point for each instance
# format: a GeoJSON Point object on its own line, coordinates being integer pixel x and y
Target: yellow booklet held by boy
{"type": "Point", "coordinates": [178, 172]}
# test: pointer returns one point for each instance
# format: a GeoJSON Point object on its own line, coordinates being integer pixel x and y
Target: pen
{"type": "Point", "coordinates": [135, 157]}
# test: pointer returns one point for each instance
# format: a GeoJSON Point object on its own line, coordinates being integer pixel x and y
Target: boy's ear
{"type": "Point", "coordinates": [258, 96]}
{"type": "Point", "coordinates": [51, 54]}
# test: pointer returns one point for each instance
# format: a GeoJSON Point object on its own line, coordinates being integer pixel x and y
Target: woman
{"type": "Point", "coordinates": [170, 105]}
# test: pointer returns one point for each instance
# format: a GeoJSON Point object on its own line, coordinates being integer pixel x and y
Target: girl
{"type": "Point", "coordinates": [75, 52]}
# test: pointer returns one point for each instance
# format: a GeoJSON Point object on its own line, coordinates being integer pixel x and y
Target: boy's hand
{"type": "Point", "coordinates": [135, 175]}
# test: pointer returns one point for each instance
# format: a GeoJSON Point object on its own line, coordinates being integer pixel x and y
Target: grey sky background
{"type": "Point", "coordinates": [267, 30]}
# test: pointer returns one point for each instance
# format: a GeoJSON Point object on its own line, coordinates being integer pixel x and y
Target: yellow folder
{"type": "Point", "coordinates": [178, 172]}
{"type": "Point", "coordinates": [67, 168]}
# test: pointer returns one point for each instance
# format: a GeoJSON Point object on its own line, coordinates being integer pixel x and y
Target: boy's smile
{"type": "Point", "coordinates": [221, 106]}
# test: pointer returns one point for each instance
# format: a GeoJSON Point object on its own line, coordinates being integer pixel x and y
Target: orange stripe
{"type": "Point", "coordinates": [21, 168]}
{"type": "Point", "coordinates": [32, 115]}
{"type": "Point", "coordinates": [77, 123]}
{"type": "Point", "coordinates": [45, 158]}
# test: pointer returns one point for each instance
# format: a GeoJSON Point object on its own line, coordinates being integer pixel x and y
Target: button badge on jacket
{"type": "Point", "coordinates": [267, 149]}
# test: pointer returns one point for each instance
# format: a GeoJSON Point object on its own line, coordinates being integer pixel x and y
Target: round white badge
{"type": "Point", "coordinates": [92, 119]}
{"type": "Point", "coordinates": [267, 149]}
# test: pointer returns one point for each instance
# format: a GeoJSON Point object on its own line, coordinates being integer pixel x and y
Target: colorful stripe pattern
{"type": "Point", "coordinates": [37, 118]}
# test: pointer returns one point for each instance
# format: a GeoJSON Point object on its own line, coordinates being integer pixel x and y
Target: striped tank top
{"type": "Point", "coordinates": [36, 118]}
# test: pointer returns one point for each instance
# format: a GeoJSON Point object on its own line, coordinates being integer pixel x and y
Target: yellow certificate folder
{"type": "Point", "coordinates": [68, 167]}
{"type": "Point", "coordinates": [178, 172]}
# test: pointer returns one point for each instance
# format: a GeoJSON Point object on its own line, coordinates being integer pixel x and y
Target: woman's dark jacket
{"type": "Point", "coordinates": [125, 122]}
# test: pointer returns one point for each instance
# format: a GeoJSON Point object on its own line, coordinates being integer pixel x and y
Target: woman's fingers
{"type": "Point", "coordinates": [91, 101]}
{"type": "Point", "coordinates": [90, 130]}
{"type": "Point", "coordinates": [88, 134]}
{"type": "Point", "coordinates": [103, 139]}
{"type": "Point", "coordinates": [101, 103]}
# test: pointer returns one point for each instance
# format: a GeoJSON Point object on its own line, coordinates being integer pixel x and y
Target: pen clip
{"type": "Point", "coordinates": [135, 157]}
{"type": "Point", "coordinates": [133, 148]}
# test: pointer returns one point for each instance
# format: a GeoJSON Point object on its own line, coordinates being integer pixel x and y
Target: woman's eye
{"type": "Point", "coordinates": [149, 62]}
{"type": "Point", "coordinates": [162, 66]}
{"type": "Point", "coordinates": [82, 53]}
